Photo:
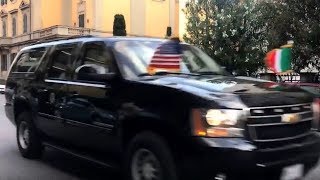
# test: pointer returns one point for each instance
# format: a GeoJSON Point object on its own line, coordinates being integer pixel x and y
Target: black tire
{"type": "Point", "coordinates": [160, 149]}
{"type": "Point", "coordinates": [33, 148]}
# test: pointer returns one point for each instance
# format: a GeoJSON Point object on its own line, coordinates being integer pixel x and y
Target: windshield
{"type": "Point", "coordinates": [135, 58]}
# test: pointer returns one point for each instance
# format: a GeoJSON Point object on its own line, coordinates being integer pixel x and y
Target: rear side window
{"type": "Point", "coordinates": [62, 61]}
{"type": "Point", "coordinates": [29, 61]}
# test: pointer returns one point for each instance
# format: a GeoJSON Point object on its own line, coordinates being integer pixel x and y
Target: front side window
{"type": "Point", "coordinates": [62, 61]}
{"type": "Point", "coordinates": [96, 60]}
{"type": "Point", "coordinates": [137, 56]}
{"type": "Point", "coordinates": [29, 61]}
{"type": "Point", "coordinates": [4, 62]}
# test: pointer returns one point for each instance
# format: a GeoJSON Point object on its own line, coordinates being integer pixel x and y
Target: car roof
{"type": "Point", "coordinates": [90, 39]}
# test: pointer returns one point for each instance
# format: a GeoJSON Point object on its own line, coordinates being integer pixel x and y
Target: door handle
{"type": "Point", "coordinates": [42, 90]}
{"type": "Point", "coordinates": [74, 93]}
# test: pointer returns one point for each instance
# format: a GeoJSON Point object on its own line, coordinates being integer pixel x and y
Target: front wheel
{"type": "Point", "coordinates": [149, 158]}
{"type": "Point", "coordinates": [29, 143]}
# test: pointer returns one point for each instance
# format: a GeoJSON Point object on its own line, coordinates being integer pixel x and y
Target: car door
{"type": "Point", "coordinates": [90, 111]}
{"type": "Point", "coordinates": [55, 91]}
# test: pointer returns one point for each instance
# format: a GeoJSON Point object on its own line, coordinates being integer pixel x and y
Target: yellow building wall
{"type": "Point", "coordinates": [9, 7]}
{"type": "Point", "coordinates": [110, 8]}
{"type": "Point", "coordinates": [157, 18]}
{"type": "Point", "coordinates": [36, 20]}
{"type": "Point", "coordinates": [51, 12]}
{"type": "Point", "coordinates": [151, 19]}
{"type": "Point", "coordinates": [89, 15]}
{"type": "Point", "coordinates": [176, 19]}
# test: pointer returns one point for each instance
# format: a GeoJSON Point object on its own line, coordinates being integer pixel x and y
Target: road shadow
{"type": "Point", "coordinates": [79, 168]}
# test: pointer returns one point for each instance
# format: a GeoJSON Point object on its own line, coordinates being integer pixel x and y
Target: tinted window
{"type": "Point", "coordinates": [61, 62]}
{"type": "Point", "coordinates": [96, 60]}
{"type": "Point", "coordinates": [29, 61]}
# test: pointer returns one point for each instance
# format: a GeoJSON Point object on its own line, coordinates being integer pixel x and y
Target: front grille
{"type": "Point", "coordinates": [265, 124]}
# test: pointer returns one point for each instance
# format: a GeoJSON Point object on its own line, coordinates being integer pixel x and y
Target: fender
{"type": "Point", "coordinates": [22, 103]}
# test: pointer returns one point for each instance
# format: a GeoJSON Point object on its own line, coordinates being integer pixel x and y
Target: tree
{"type": "Point", "coordinates": [298, 21]}
{"type": "Point", "coordinates": [119, 25]}
{"type": "Point", "coordinates": [229, 31]}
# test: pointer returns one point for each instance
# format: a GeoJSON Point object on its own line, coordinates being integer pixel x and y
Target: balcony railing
{"type": "Point", "coordinates": [5, 40]}
{"type": "Point", "coordinates": [51, 32]}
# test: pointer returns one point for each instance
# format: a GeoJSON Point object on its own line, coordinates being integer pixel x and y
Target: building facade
{"type": "Point", "coordinates": [28, 21]}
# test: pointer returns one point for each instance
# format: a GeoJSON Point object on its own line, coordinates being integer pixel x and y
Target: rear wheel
{"type": "Point", "coordinates": [29, 143]}
{"type": "Point", "coordinates": [149, 158]}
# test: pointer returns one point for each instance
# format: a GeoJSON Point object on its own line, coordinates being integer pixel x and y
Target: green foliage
{"type": "Point", "coordinates": [237, 34]}
{"type": "Point", "coordinates": [298, 21]}
{"type": "Point", "coordinates": [229, 32]}
{"type": "Point", "coordinates": [119, 25]}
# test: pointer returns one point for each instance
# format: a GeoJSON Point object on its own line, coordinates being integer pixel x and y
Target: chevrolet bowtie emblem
{"type": "Point", "coordinates": [290, 118]}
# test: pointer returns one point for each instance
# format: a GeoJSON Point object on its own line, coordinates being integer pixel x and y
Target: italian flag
{"type": "Point", "coordinates": [279, 60]}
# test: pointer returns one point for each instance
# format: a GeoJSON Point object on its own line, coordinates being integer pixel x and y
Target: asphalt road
{"type": "Point", "coordinates": [54, 165]}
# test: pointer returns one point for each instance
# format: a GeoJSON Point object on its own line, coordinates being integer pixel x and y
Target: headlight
{"type": "Point", "coordinates": [316, 112]}
{"type": "Point", "coordinates": [218, 122]}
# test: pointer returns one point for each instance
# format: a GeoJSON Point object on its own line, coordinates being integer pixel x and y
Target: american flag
{"type": "Point", "coordinates": [166, 57]}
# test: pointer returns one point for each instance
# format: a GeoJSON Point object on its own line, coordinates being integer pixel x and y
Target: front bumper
{"type": "Point", "coordinates": [240, 156]}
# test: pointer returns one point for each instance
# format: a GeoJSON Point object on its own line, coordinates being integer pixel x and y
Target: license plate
{"type": "Point", "coordinates": [292, 172]}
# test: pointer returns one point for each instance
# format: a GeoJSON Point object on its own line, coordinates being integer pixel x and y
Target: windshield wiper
{"type": "Point", "coordinates": [162, 73]}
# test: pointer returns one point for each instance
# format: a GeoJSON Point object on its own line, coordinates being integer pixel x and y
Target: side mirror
{"type": "Point", "coordinates": [234, 73]}
{"type": "Point", "coordinates": [94, 73]}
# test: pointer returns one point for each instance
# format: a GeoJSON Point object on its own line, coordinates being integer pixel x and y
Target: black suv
{"type": "Point", "coordinates": [95, 98]}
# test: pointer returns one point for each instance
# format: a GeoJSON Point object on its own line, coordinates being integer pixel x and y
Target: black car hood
{"type": "Point", "coordinates": [235, 92]}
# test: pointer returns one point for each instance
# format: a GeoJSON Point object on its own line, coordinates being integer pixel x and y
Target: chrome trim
{"type": "Point", "coordinates": [270, 107]}
{"type": "Point", "coordinates": [284, 139]}
{"type": "Point", "coordinates": [76, 123]}
{"type": "Point", "coordinates": [279, 124]}
{"type": "Point", "coordinates": [82, 156]}
{"type": "Point", "coordinates": [296, 108]}
{"type": "Point", "coordinates": [76, 83]}
{"type": "Point", "coordinates": [258, 111]}
{"type": "Point", "coordinates": [290, 146]}
{"type": "Point", "coordinates": [271, 116]}
{"type": "Point", "coordinates": [278, 110]}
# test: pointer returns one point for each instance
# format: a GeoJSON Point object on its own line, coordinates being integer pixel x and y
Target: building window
{"type": "Point", "coordinates": [4, 29]}
{"type": "Point", "coordinates": [14, 27]}
{"type": "Point", "coordinates": [12, 56]}
{"type": "Point", "coordinates": [3, 2]}
{"type": "Point", "coordinates": [25, 23]}
{"type": "Point", "coordinates": [4, 62]}
{"type": "Point", "coordinates": [81, 20]}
